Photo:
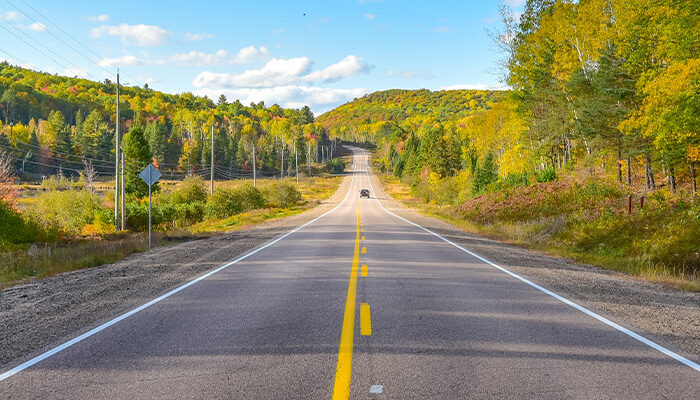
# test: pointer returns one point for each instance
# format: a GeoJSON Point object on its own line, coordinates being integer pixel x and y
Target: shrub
{"type": "Point", "coordinates": [60, 182]}
{"type": "Point", "coordinates": [192, 189]}
{"type": "Point", "coordinates": [283, 194]}
{"type": "Point", "coordinates": [227, 202]}
{"type": "Point", "coordinates": [67, 211]}
{"type": "Point", "coordinates": [546, 175]}
{"type": "Point", "coordinates": [335, 166]}
{"type": "Point", "coordinates": [15, 229]}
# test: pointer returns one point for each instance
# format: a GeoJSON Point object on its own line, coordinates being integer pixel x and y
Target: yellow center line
{"type": "Point", "coordinates": [365, 320]}
{"type": "Point", "coordinates": [363, 238]}
{"type": "Point", "coordinates": [364, 270]}
{"type": "Point", "coordinates": [343, 371]}
{"type": "Point", "coordinates": [364, 250]}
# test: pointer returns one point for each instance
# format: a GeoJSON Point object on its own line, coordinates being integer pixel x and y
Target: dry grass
{"type": "Point", "coordinates": [591, 228]}
{"type": "Point", "coordinates": [41, 261]}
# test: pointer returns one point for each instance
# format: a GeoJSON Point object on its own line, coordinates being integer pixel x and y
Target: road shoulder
{"type": "Point", "coordinates": [669, 316]}
{"type": "Point", "coordinates": [41, 314]}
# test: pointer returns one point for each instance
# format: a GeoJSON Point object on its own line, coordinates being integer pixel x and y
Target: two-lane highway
{"type": "Point", "coordinates": [358, 303]}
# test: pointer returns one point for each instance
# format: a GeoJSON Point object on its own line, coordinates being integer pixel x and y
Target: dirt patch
{"type": "Point", "coordinates": [44, 313]}
{"type": "Point", "coordinates": [666, 315]}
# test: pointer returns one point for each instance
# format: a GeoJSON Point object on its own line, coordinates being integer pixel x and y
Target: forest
{"type": "Point", "coordinates": [592, 153]}
{"type": "Point", "coordinates": [55, 124]}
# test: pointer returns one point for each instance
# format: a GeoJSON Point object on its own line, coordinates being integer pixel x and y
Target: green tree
{"type": "Point", "coordinates": [137, 155]}
{"type": "Point", "coordinates": [157, 137]}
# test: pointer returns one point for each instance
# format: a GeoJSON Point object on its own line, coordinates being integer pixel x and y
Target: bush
{"type": "Point", "coordinates": [67, 211]}
{"type": "Point", "coordinates": [191, 190]}
{"type": "Point", "coordinates": [336, 166]}
{"type": "Point", "coordinates": [227, 202]}
{"type": "Point", "coordinates": [60, 182]}
{"type": "Point", "coordinates": [283, 194]}
{"type": "Point", "coordinates": [546, 175]}
{"type": "Point", "coordinates": [15, 229]}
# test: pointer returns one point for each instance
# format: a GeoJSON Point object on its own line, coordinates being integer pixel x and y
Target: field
{"type": "Point", "coordinates": [71, 228]}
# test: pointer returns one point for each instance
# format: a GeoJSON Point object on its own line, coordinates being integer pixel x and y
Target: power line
{"type": "Point", "coordinates": [72, 37]}
{"type": "Point", "coordinates": [40, 44]}
{"type": "Point", "coordinates": [15, 57]}
{"type": "Point", "coordinates": [58, 38]}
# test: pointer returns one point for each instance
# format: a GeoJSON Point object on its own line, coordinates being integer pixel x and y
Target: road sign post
{"type": "Point", "coordinates": [150, 175]}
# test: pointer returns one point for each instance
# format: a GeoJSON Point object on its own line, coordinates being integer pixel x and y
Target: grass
{"type": "Point", "coordinates": [586, 222]}
{"type": "Point", "coordinates": [26, 263]}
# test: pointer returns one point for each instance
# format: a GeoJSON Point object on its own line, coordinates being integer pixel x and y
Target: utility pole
{"type": "Point", "coordinates": [282, 165]}
{"type": "Point", "coordinates": [123, 195]}
{"type": "Point", "coordinates": [211, 191]}
{"type": "Point", "coordinates": [296, 162]}
{"type": "Point", "coordinates": [254, 177]}
{"type": "Point", "coordinates": [116, 163]}
{"type": "Point", "coordinates": [308, 159]}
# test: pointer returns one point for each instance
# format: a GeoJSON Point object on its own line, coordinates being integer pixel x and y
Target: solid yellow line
{"type": "Point", "coordinates": [364, 270]}
{"type": "Point", "coordinates": [365, 320]}
{"type": "Point", "coordinates": [364, 250]}
{"type": "Point", "coordinates": [343, 370]}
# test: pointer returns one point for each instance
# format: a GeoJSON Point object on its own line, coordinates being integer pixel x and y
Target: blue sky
{"type": "Point", "coordinates": [294, 53]}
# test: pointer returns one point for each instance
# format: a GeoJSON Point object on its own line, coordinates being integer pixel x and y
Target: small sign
{"type": "Point", "coordinates": [150, 175]}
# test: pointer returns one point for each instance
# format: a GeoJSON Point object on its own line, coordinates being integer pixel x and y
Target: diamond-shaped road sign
{"type": "Point", "coordinates": [150, 175]}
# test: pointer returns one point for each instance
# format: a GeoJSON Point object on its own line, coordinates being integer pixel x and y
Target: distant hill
{"type": "Point", "coordinates": [399, 105]}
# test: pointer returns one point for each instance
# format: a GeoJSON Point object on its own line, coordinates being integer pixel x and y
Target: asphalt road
{"type": "Point", "coordinates": [303, 318]}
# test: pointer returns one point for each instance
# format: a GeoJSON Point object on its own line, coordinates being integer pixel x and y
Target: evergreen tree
{"type": "Point", "coordinates": [156, 135]}
{"type": "Point", "coordinates": [137, 155]}
{"type": "Point", "coordinates": [486, 173]}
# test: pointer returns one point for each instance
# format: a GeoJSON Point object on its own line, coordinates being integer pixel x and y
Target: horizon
{"type": "Point", "coordinates": [293, 60]}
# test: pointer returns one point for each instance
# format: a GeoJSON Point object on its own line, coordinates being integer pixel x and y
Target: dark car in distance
{"type": "Point", "coordinates": [364, 193]}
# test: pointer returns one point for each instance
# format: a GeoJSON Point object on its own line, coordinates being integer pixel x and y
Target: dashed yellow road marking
{"type": "Point", "coordinates": [364, 270]}
{"type": "Point", "coordinates": [364, 250]}
{"type": "Point", "coordinates": [343, 371]}
{"type": "Point", "coordinates": [363, 238]}
{"type": "Point", "coordinates": [365, 320]}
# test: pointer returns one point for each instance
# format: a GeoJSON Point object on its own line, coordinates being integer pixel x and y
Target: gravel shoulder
{"type": "Point", "coordinates": [41, 314]}
{"type": "Point", "coordinates": [670, 317]}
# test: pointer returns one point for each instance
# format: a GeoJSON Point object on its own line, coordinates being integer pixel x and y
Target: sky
{"type": "Point", "coordinates": [318, 53]}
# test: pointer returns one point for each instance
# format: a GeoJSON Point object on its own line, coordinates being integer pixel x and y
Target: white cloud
{"type": "Point", "coordinates": [221, 57]}
{"type": "Point", "coordinates": [141, 35]}
{"type": "Point", "coordinates": [370, 16]}
{"type": "Point", "coordinates": [37, 27]}
{"type": "Point", "coordinates": [477, 86]}
{"type": "Point", "coordinates": [125, 61]}
{"type": "Point", "coordinates": [514, 3]}
{"type": "Point", "coordinates": [196, 37]}
{"type": "Point", "coordinates": [443, 29]}
{"type": "Point", "coordinates": [319, 99]}
{"type": "Point", "coordinates": [98, 18]}
{"type": "Point", "coordinates": [345, 68]}
{"type": "Point", "coordinates": [11, 16]}
{"type": "Point", "coordinates": [276, 72]}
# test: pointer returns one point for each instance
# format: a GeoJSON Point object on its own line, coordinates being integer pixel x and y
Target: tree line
{"type": "Point", "coordinates": [55, 124]}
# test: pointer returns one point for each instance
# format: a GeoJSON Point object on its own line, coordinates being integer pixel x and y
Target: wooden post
{"type": "Point", "coordinates": [629, 204]}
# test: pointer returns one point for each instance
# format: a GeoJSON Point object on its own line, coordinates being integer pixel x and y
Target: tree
{"type": "Point", "coordinates": [157, 137]}
{"type": "Point", "coordinates": [137, 155]}
{"type": "Point", "coordinates": [93, 129]}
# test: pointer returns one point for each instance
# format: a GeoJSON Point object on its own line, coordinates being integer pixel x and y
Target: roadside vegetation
{"type": "Point", "coordinates": [61, 225]}
{"type": "Point", "coordinates": [602, 105]}
{"type": "Point", "coordinates": [578, 218]}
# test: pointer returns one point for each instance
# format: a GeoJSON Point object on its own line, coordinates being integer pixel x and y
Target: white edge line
{"type": "Point", "coordinates": [109, 323]}
{"type": "Point", "coordinates": [584, 310]}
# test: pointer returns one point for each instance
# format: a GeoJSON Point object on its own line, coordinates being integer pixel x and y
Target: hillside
{"type": "Point", "coordinates": [52, 124]}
